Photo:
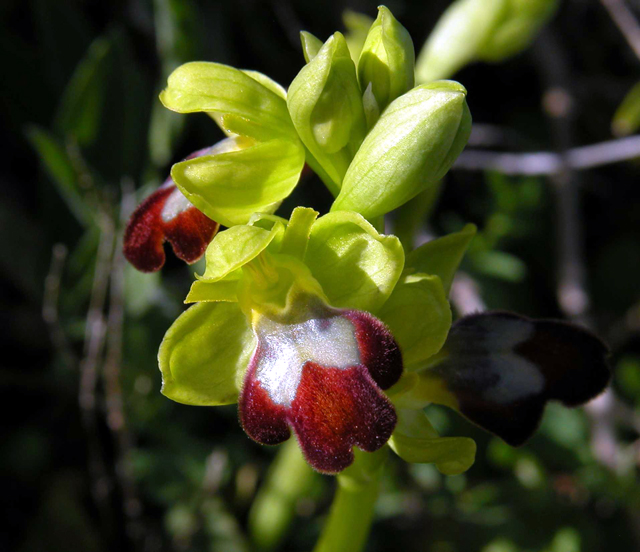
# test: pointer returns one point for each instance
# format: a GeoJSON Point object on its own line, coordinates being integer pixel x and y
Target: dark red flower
{"type": "Point", "coordinates": [322, 378]}
{"type": "Point", "coordinates": [167, 215]}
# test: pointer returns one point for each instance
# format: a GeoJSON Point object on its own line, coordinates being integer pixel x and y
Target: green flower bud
{"type": "Point", "coordinates": [486, 30]}
{"type": "Point", "coordinates": [325, 104]}
{"type": "Point", "coordinates": [411, 147]}
{"type": "Point", "coordinates": [518, 29]}
{"type": "Point", "coordinates": [310, 45]}
{"type": "Point", "coordinates": [458, 36]}
{"type": "Point", "coordinates": [357, 25]}
{"type": "Point", "coordinates": [387, 59]}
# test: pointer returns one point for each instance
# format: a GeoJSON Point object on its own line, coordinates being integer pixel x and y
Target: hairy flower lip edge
{"type": "Point", "coordinates": [334, 408]}
{"type": "Point", "coordinates": [499, 370]}
{"type": "Point", "coordinates": [166, 215]}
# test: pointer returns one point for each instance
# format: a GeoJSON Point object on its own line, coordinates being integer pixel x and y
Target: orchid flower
{"type": "Point", "coordinates": [321, 327]}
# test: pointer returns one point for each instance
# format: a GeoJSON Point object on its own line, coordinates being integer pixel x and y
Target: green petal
{"type": "Point", "coordinates": [442, 256]}
{"type": "Point", "coordinates": [415, 440]}
{"type": "Point", "coordinates": [235, 247]}
{"type": "Point", "coordinates": [230, 187]}
{"type": "Point", "coordinates": [419, 317]}
{"type": "Point", "coordinates": [203, 355]}
{"type": "Point", "coordinates": [223, 290]}
{"type": "Point", "coordinates": [356, 266]}
{"type": "Point", "coordinates": [296, 236]}
{"type": "Point", "coordinates": [213, 87]}
{"type": "Point", "coordinates": [325, 104]}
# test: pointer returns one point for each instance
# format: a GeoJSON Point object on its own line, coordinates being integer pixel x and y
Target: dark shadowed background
{"type": "Point", "coordinates": [93, 457]}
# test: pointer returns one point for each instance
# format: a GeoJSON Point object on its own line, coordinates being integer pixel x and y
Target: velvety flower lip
{"type": "Point", "coordinates": [167, 215]}
{"type": "Point", "coordinates": [322, 378]}
{"type": "Point", "coordinates": [500, 369]}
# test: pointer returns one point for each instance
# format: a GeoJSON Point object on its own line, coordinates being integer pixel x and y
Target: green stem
{"type": "Point", "coordinates": [289, 479]}
{"type": "Point", "coordinates": [351, 515]}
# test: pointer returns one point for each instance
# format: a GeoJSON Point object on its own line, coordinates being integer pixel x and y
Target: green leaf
{"type": "Point", "coordinates": [229, 187]}
{"type": "Point", "coordinates": [626, 119]}
{"type": "Point", "coordinates": [357, 267]}
{"type": "Point", "coordinates": [310, 45]}
{"type": "Point", "coordinates": [415, 440]}
{"type": "Point", "coordinates": [235, 247]}
{"type": "Point", "coordinates": [387, 59]}
{"type": "Point", "coordinates": [419, 317]}
{"type": "Point", "coordinates": [459, 34]}
{"type": "Point", "coordinates": [451, 455]}
{"type": "Point", "coordinates": [203, 355]}
{"type": "Point", "coordinates": [81, 106]}
{"type": "Point", "coordinates": [240, 97]}
{"type": "Point", "coordinates": [442, 256]}
{"type": "Point", "coordinates": [410, 148]}
{"type": "Point", "coordinates": [60, 169]}
{"type": "Point", "coordinates": [325, 104]}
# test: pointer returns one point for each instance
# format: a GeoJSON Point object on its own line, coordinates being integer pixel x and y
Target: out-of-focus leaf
{"type": "Point", "coordinates": [626, 119]}
{"type": "Point", "coordinates": [58, 166]}
{"type": "Point", "coordinates": [81, 106]}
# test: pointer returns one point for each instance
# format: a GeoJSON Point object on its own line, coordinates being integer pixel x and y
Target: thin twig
{"type": "Point", "coordinates": [625, 20]}
{"type": "Point", "coordinates": [50, 313]}
{"type": "Point", "coordinates": [116, 418]}
{"type": "Point", "coordinates": [572, 292]}
{"type": "Point", "coordinates": [94, 345]}
{"type": "Point", "coordinates": [548, 163]}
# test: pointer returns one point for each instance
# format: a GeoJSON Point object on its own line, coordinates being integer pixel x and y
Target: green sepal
{"type": "Point", "coordinates": [356, 266]}
{"type": "Point", "coordinates": [221, 290]}
{"type": "Point", "coordinates": [238, 96]}
{"type": "Point", "coordinates": [204, 353]}
{"type": "Point", "coordinates": [441, 256]}
{"type": "Point", "coordinates": [410, 148]}
{"type": "Point", "coordinates": [267, 82]}
{"type": "Point", "coordinates": [459, 34]}
{"type": "Point", "coordinates": [235, 247]}
{"type": "Point", "coordinates": [419, 317]}
{"type": "Point", "coordinates": [325, 104]}
{"type": "Point", "coordinates": [387, 59]}
{"type": "Point", "coordinates": [310, 45]}
{"type": "Point", "coordinates": [230, 187]}
{"type": "Point", "coordinates": [415, 440]}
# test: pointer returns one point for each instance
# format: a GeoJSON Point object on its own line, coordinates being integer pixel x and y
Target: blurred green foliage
{"type": "Point", "coordinates": [131, 470]}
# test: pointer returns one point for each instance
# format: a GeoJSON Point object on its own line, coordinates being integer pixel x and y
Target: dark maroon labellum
{"type": "Point", "coordinates": [322, 378]}
{"type": "Point", "coordinates": [503, 368]}
{"type": "Point", "coordinates": [167, 215]}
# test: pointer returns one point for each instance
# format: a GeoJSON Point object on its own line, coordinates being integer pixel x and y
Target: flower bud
{"type": "Point", "coordinates": [518, 29]}
{"type": "Point", "coordinates": [411, 147]}
{"type": "Point", "coordinates": [325, 104]}
{"type": "Point", "coordinates": [387, 59]}
{"type": "Point", "coordinates": [487, 30]}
